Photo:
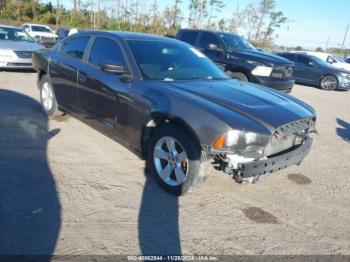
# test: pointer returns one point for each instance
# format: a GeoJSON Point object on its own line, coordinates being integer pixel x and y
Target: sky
{"type": "Point", "coordinates": [311, 22]}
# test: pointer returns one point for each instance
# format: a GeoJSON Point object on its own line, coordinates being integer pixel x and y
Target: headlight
{"type": "Point", "coordinates": [247, 144]}
{"type": "Point", "coordinates": [346, 75]}
{"type": "Point", "coordinates": [37, 38]}
{"type": "Point", "coordinates": [262, 71]}
{"type": "Point", "coordinates": [6, 53]}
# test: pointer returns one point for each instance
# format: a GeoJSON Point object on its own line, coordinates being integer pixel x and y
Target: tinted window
{"type": "Point", "coordinates": [170, 61]}
{"type": "Point", "coordinates": [189, 37]}
{"type": "Point", "coordinates": [236, 42]}
{"type": "Point", "coordinates": [75, 47]}
{"type": "Point", "coordinates": [207, 38]}
{"type": "Point", "coordinates": [290, 57]}
{"type": "Point", "coordinates": [37, 28]}
{"type": "Point", "coordinates": [304, 60]}
{"type": "Point", "coordinates": [106, 50]}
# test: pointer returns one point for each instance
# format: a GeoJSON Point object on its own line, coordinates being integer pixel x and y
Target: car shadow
{"type": "Point", "coordinates": [344, 130]}
{"type": "Point", "coordinates": [158, 220]}
{"type": "Point", "coordinates": [27, 70]}
{"type": "Point", "coordinates": [317, 87]}
{"type": "Point", "coordinates": [29, 205]}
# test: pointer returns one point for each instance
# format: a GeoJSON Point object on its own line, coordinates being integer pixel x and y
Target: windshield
{"type": "Point", "coordinates": [171, 61]}
{"type": "Point", "coordinates": [14, 34]}
{"type": "Point", "coordinates": [37, 28]}
{"type": "Point", "coordinates": [235, 42]}
{"type": "Point", "coordinates": [339, 59]}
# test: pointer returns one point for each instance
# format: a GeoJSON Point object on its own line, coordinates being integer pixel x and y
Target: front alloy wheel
{"type": "Point", "coordinates": [170, 160]}
{"type": "Point", "coordinates": [329, 83]}
{"type": "Point", "coordinates": [175, 159]}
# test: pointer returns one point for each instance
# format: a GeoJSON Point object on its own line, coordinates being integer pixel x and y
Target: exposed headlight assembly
{"type": "Point", "coordinates": [247, 144]}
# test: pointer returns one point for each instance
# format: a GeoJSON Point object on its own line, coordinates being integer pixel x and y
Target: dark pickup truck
{"type": "Point", "coordinates": [173, 106]}
{"type": "Point", "coordinates": [240, 60]}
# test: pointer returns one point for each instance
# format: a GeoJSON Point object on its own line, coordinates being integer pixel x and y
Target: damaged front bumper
{"type": "Point", "coordinates": [254, 170]}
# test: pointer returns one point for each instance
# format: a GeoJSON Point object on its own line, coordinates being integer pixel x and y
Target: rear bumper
{"type": "Point", "coordinates": [262, 167]}
{"type": "Point", "coordinates": [281, 85]}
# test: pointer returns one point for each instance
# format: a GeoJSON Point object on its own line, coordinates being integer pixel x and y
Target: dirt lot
{"type": "Point", "coordinates": [67, 189]}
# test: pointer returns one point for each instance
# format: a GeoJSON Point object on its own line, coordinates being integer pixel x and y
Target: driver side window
{"type": "Point", "coordinates": [304, 60]}
{"type": "Point", "coordinates": [208, 38]}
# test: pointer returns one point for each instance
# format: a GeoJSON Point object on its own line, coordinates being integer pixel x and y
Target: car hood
{"type": "Point", "coordinates": [20, 45]}
{"type": "Point", "coordinates": [45, 34]}
{"type": "Point", "coordinates": [345, 66]}
{"type": "Point", "coordinates": [261, 57]}
{"type": "Point", "coordinates": [268, 107]}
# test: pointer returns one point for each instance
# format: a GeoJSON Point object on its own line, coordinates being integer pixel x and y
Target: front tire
{"type": "Point", "coordinates": [328, 83]}
{"type": "Point", "coordinates": [175, 160]}
{"type": "Point", "coordinates": [48, 98]}
{"type": "Point", "coordinates": [237, 75]}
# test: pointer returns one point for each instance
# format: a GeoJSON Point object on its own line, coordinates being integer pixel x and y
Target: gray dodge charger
{"type": "Point", "coordinates": [170, 104]}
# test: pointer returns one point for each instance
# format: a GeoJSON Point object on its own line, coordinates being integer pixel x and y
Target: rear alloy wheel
{"type": "Point", "coordinates": [175, 160]}
{"type": "Point", "coordinates": [329, 83]}
{"type": "Point", "coordinates": [47, 98]}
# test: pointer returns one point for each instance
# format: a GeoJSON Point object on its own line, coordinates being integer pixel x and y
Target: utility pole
{"type": "Point", "coordinates": [327, 43]}
{"type": "Point", "coordinates": [201, 9]}
{"type": "Point", "coordinates": [57, 13]}
{"type": "Point", "coordinates": [346, 33]}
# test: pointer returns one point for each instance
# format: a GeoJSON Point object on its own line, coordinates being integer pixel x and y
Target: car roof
{"type": "Point", "coordinates": [9, 26]}
{"type": "Point", "coordinates": [35, 24]}
{"type": "Point", "coordinates": [128, 35]}
{"type": "Point", "coordinates": [207, 30]}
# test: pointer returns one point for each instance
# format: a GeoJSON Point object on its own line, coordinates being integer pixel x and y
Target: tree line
{"type": "Point", "coordinates": [257, 21]}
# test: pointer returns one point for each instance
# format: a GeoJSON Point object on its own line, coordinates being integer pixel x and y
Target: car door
{"type": "Point", "coordinates": [207, 39]}
{"type": "Point", "coordinates": [100, 92]}
{"type": "Point", "coordinates": [64, 71]}
{"type": "Point", "coordinates": [306, 69]}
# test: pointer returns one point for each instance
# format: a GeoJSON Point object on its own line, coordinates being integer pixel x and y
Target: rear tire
{"type": "Point", "coordinates": [175, 160]}
{"type": "Point", "coordinates": [328, 83]}
{"type": "Point", "coordinates": [237, 75]}
{"type": "Point", "coordinates": [47, 98]}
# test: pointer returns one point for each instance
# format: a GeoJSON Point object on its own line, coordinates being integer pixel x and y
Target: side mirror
{"type": "Point", "coordinates": [214, 47]}
{"type": "Point", "coordinates": [113, 68]}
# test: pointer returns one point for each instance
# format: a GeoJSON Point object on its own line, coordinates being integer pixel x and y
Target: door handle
{"type": "Point", "coordinates": [82, 78]}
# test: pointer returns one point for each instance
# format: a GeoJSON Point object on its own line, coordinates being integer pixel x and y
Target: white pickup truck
{"type": "Point", "coordinates": [335, 61]}
{"type": "Point", "coordinates": [41, 34]}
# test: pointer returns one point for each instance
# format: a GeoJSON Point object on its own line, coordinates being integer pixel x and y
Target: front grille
{"type": "Point", "coordinates": [282, 72]}
{"type": "Point", "coordinates": [19, 64]}
{"type": "Point", "coordinates": [47, 40]}
{"type": "Point", "coordinates": [289, 135]}
{"type": "Point", "coordinates": [24, 54]}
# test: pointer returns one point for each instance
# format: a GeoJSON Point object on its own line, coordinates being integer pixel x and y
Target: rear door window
{"type": "Point", "coordinates": [105, 50]}
{"type": "Point", "coordinates": [75, 47]}
{"type": "Point", "coordinates": [189, 37]}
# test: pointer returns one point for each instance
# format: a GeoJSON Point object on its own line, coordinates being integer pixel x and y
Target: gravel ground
{"type": "Point", "coordinates": [67, 189]}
